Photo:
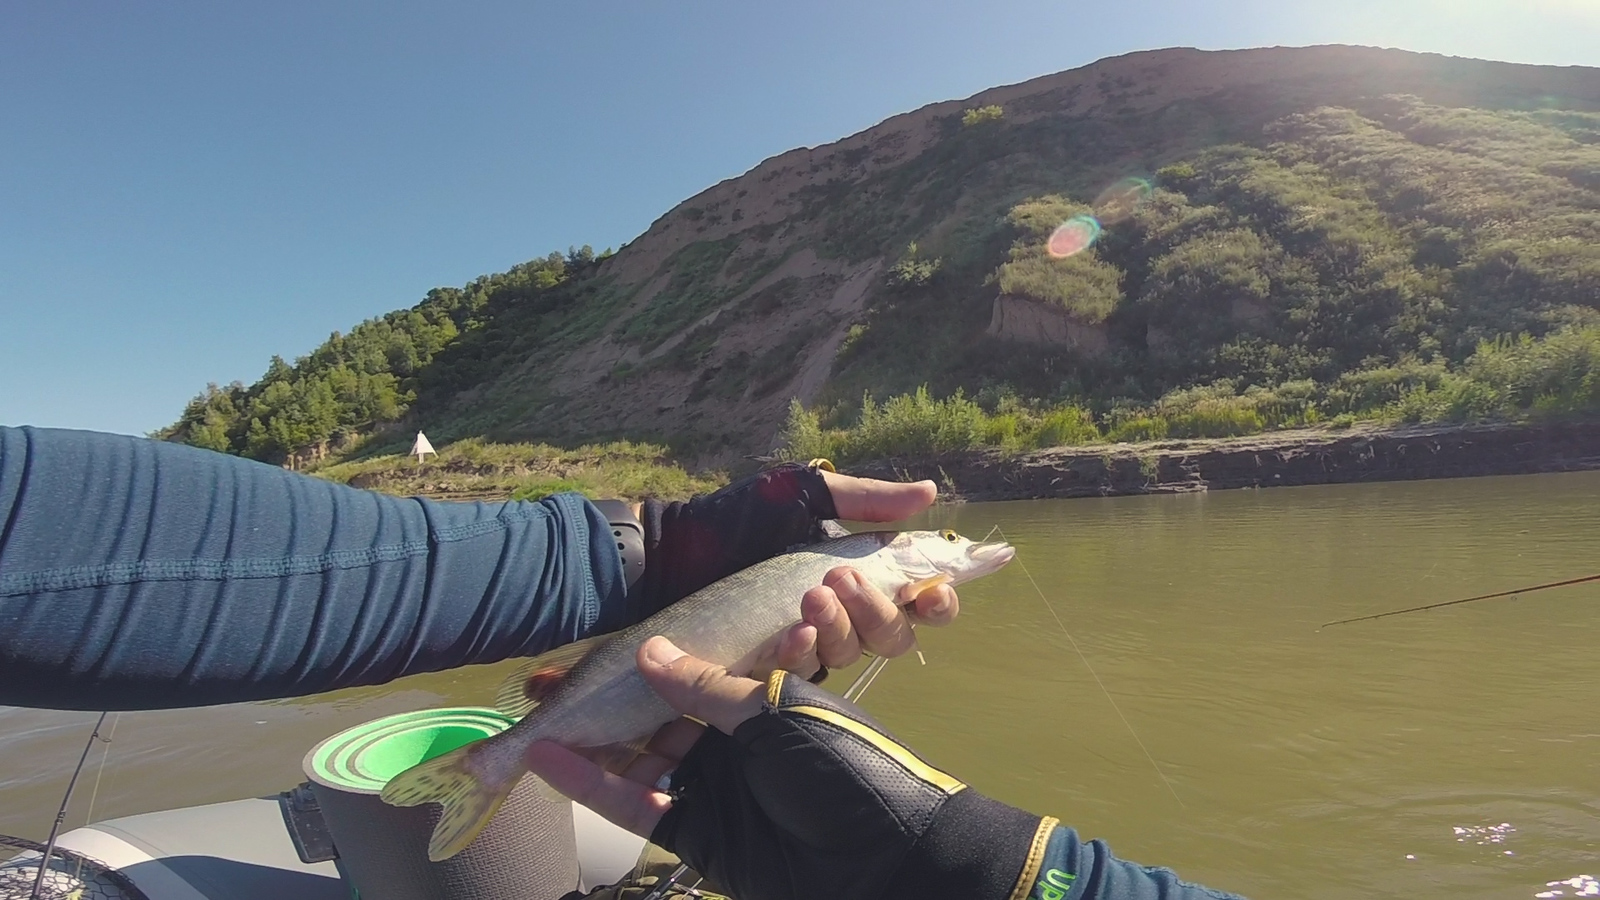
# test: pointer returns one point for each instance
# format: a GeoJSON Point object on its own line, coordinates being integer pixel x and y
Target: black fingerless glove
{"type": "Point", "coordinates": [690, 544]}
{"type": "Point", "coordinates": [811, 798]}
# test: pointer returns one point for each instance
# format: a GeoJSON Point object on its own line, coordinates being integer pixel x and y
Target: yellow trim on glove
{"type": "Point", "coordinates": [884, 745]}
{"type": "Point", "coordinates": [775, 687]}
{"type": "Point", "coordinates": [1030, 870]}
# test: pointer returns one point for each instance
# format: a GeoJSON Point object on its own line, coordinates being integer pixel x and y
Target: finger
{"type": "Point", "coordinates": [870, 500]}
{"type": "Point", "coordinates": [879, 624]}
{"type": "Point", "coordinates": [647, 769]}
{"type": "Point", "coordinates": [797, 650]}
{"type": "Point", "coordinates": [625, 803]}
{"type": "Point", "coordinates": [935, 606]}
{"type": "Point", "coordinates": [665, 750]}
{"type": "Point", "coordinates": [697, 688]}
{"type": "Point", "coordinates": [793, 649]}
{"type": "Point", "coordinates": [673, 740]}
{"type": "Point", "coordinates": [836, 644]}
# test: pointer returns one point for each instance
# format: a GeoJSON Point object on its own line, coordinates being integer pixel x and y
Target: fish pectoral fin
{"type": "Point", "coordinates": [915, 588]}
{"type": "Point", "coordinates": [615, 758]}
{"type": "Point", "coordinates": [532, 681]}
{"type": "Point", "coordinates": [468, 802]}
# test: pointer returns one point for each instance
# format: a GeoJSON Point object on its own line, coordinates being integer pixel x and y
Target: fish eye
{"type": "Point", "coordinates": [950, 535]}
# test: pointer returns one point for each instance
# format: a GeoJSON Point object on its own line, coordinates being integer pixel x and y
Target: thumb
{"type": "Point", "coordinates": [697, 688]}
{"type": "Point", "coordinates": [871, 500]}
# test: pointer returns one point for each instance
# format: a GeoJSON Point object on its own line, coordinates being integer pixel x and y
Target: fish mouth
{"type": "Point", "coordinates": [992, 555]}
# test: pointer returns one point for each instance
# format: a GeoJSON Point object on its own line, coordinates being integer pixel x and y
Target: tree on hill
{"type": "Point", "coordinates": [354, 382]}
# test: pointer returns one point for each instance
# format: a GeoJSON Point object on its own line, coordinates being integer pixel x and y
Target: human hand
{"type": "Point", "coordinates": [793, 792]}
{"type": "Point", "coordinates": [689, 545]}
{"type": "Point", "coordinates": [846, 615]}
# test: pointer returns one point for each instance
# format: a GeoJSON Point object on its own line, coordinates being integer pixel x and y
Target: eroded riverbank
{"type": "Point", "coordinates": [1276, 459]}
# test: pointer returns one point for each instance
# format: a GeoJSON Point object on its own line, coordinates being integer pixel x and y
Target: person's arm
{"type": "Point", "coordinates": [139, 574]}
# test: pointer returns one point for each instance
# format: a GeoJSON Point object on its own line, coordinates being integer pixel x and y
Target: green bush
{"type": "Point", "coordinates": [1138, 428]}
{"type": "Point", "coordinates": [1214, 420]}
{"type": "Point", "coordinates": [1367, 391]}
{"type": "Point", "coordinates": [1066, 426]}
{"type": "Point", "coordinates": [1456, 399]}
{"type": "Point", "coordinates": [981, 114]}
{"type": "Point", "coordinates": [913, 424]}
{"type": "Point", "coordinates": [911, 270]}
{"type": "Point", "coordinates": [1003, 431]}
{"type": "Point", "coordinates": [1556, 374]}
{"type": "Point", "coordinates": [1082, 284]}
{"type": "Point", "coordinates": [916, 424]}
{"type": "Point", "coordinates": [803, 437]}
{"type": "Point", "coordinates": [1176, 172]}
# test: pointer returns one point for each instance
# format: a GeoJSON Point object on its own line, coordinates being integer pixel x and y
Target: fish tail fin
{"type": "Point", "coordinates": [469, 800]}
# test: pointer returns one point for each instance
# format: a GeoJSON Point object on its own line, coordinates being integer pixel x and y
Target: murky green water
{"type": "Point", "coordinates": [1448, 754]}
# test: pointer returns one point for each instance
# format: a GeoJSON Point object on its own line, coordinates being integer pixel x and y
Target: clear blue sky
{"type": "Point", "coordinates": [188, 188]}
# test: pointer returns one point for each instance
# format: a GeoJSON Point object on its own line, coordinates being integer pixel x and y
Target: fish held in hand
{"type": "Point", "coordinates": [589, 695]}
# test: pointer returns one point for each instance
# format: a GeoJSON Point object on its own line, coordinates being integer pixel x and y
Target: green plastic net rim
{"type": "Point", "coordinates": [365, 757]}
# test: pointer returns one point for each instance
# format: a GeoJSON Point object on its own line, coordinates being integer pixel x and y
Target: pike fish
{"type": "Point", "coordinates": [590, 694]}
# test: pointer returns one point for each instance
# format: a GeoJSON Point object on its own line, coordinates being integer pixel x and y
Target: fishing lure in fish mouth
{"type": "Point", "coordinates": [951, 559]}
{"type": "Point", "coordinates": [589, 695]}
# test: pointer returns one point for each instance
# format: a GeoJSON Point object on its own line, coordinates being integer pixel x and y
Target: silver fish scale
{"type": "Point", "coordinates": [604, 700]}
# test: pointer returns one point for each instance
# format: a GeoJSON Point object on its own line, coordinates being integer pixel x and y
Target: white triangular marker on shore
{"type": "Point", "coordinates": [421, 448]}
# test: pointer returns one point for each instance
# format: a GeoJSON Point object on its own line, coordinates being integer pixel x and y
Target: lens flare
{"type": "Point", "coordinates": [1120, 200]}
{"type": "Point", "coordinates": [1074, 236]}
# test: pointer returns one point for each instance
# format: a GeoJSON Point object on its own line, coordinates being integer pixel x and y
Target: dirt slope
{"type": "Point", "coordinates": [742, 296]}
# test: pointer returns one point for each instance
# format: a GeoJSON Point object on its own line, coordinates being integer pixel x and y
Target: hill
{"type": "Point", "coordinates": [1255, 239]}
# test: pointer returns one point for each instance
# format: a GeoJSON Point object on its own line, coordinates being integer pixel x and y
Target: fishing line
{"type": "Point", "coordinates": [61, 814]}
{"type": "Point", "coordinates": [1103, 690]}
{"type": "Point", "coordinates": [88, 815]}
{"type": "Point", "coordinates": [1410, 609]}
{"type": "Point", "coordinates": [870, 673]}
{"type": "Point", "coordinates": [865, 679]}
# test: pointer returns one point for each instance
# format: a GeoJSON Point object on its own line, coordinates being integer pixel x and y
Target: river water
{"type": "Point", "coordinates": [1454, 753]}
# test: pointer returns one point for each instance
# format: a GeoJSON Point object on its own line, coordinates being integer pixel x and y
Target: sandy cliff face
{"type": "Point", "coordinates": [739, 298]}
{"type": "Point", "coordinates": [1031, 322]}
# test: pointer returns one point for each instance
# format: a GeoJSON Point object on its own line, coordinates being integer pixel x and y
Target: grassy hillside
{"type": "Point", "coordinates": [474, 469]}
{"type": "Point", "coordinates": [1279, 237]}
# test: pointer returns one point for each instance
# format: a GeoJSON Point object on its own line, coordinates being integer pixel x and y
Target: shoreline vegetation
{"type": "Point", "coordinates": [1509, 381]}
{"type": "Point", "coordinates": [1366, 452]}
{"type": "Point", "coordinates": [1543, 389]}
{"type": "Point", "coordinates": [1521, 404]}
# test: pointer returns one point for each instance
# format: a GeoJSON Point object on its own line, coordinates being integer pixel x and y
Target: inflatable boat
{"type": "Point", "coordinates": [241, 850]}
{"type": "Point", "coordinates": [332, 838]}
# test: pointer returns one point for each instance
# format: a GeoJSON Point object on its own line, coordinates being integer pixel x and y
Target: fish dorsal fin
{"type": "Point", "coordinates": [532, 681]}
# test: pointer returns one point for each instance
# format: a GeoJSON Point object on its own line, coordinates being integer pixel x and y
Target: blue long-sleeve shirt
{"type": "Point", "coordinates": [1071, 868]}
{"type": "Point", "coordinates": [138, 574]}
